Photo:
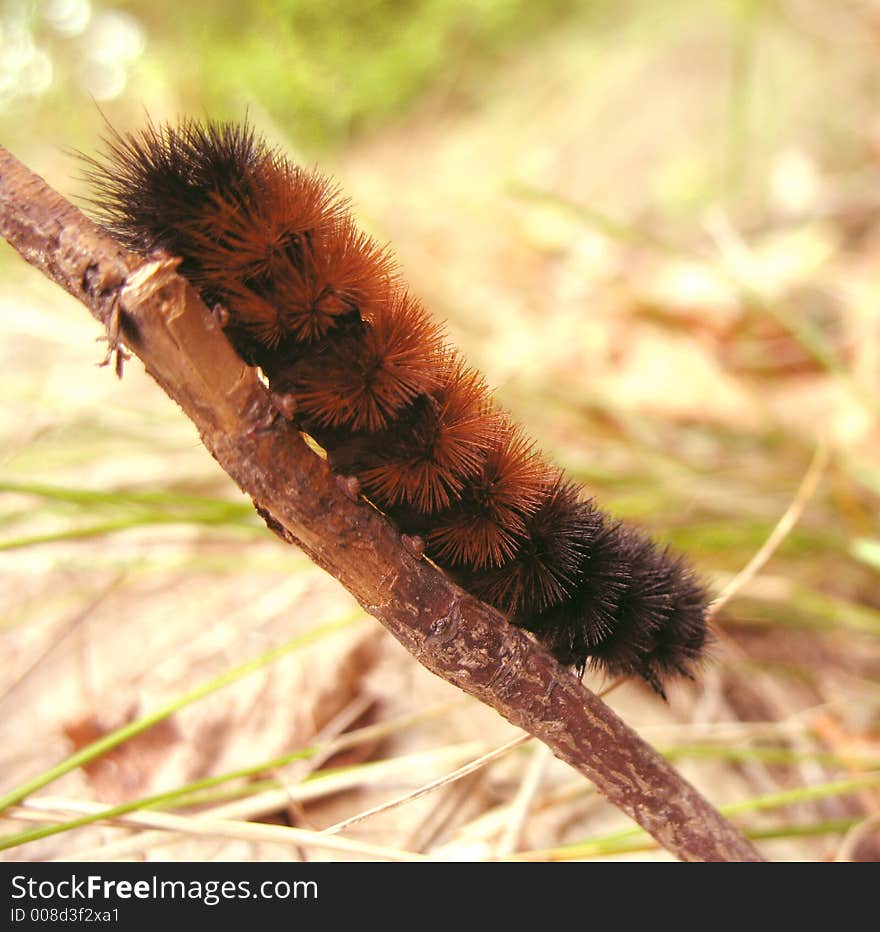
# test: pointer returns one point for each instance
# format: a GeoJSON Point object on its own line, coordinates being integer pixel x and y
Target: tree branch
{"type": "Point", "coordinates": [161, 319]}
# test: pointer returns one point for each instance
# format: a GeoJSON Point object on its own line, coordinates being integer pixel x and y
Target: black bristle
{"type": "Point", "coordinates": [163, 176]}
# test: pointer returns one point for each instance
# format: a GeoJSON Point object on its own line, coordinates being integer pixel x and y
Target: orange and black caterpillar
{"type": "Point", "coordinates": [320, 308]}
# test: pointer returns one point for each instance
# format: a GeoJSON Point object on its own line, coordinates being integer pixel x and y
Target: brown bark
{"type": "Point", "coordinates": [161, 319]}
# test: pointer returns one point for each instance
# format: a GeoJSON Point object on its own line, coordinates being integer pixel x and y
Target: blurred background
{"type": "Point", "coordinates": [655, 226]}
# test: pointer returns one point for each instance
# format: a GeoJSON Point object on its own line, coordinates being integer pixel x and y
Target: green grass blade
{"type": "Point", "coordinates": [120, 735]}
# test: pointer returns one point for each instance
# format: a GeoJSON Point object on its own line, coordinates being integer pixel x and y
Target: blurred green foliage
{"type": "Point", "coordinates": [335, 68]}
{"type": "Point", "coordinates": [324, 71]}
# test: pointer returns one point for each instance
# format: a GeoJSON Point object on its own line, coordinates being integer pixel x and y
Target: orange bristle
{"type": "Point", "coordinates": [485, 527]}
{"type": "Point", "coordinates": [446, 439]}
{"type": "Point", "coordinates": [251, 239]}
{"type": "Point", "coordinates": [369, 373]}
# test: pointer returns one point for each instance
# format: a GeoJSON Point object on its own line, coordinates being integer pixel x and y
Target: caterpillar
{"type": "Point", "coordinates": [321, 309]}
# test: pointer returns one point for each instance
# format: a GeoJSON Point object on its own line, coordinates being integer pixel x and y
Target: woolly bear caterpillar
{"type": "Point", "coordinates": [320, 308]}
